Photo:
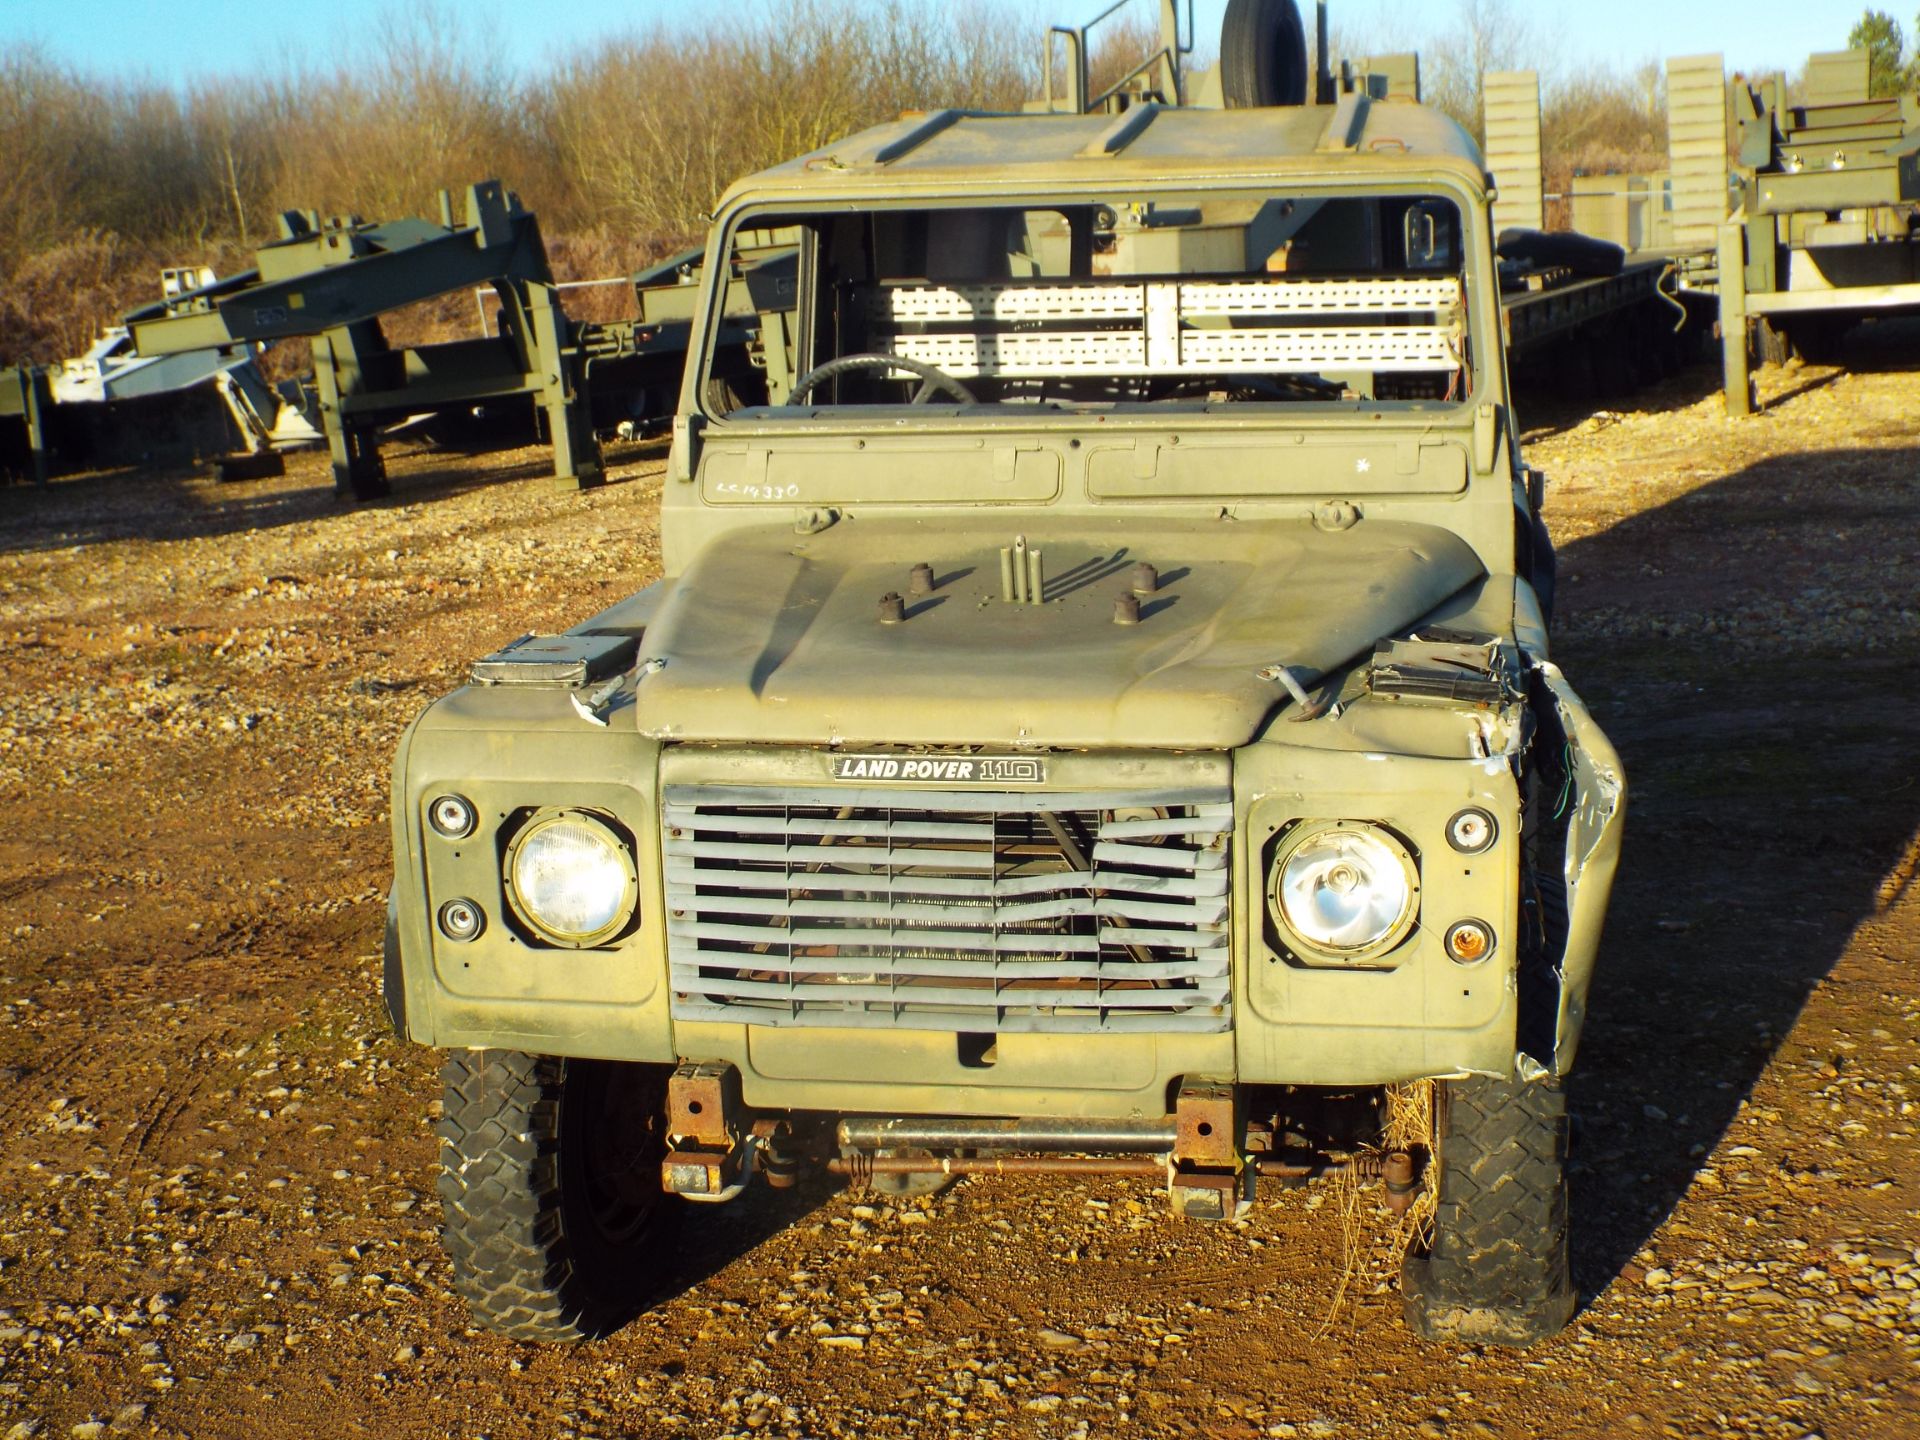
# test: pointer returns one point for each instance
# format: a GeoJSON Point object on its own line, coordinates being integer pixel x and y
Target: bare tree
{"type": "Point", "coordinates": [1485, 35]}
{"type": "Point", "coordinates": [622, 146]}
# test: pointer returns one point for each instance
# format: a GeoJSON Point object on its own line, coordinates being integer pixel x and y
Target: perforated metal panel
{"type": "Point", "coordinates": [959, 304]}
{"type": "Point", "coordinates": [1512, 113]}
{"type": "Point", "coordinates": [1184, 326]}
{"type": "Point", "coordinates": [939, 304]}
{"type": "Point", "coordinates": [936, 910]}
{"type": "Point", "coordinates": [1086, 352]}
{"type": "Point", "coordinates": [1369, 294]}
{"type": "Point", "coordinates": [1307, 349]}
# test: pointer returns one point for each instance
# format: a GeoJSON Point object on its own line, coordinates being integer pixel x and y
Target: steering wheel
{"type": "Point", "coordinates": [932, 381]}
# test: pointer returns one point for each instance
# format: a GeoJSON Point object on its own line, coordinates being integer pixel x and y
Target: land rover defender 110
{"type": "Point", "coordinates": [1096, 717]}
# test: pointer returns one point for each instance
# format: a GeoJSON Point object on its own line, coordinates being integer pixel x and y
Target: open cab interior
{"type": "Point", "coordinates": [1162, 301]}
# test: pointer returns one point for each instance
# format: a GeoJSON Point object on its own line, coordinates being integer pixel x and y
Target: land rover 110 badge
{"type": "Point", "coordinates": [944, 769]}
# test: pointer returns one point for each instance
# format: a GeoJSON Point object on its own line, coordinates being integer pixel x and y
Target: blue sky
{"type": "Point", "coordinates": [185, 40]}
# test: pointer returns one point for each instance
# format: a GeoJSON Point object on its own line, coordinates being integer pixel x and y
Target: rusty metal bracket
{"type": "Point", "coordinates": [1210, 1195]}
{"type": "Point", "coordinates": [702, 1174]}
{"type": "Point", "coordinates": [1206, 1126]}
{"type": "Point", "coordinates": [1207, 1175]}
{"type": "Point", "coordinates": [705, 1157]}
{"type": "Point", "coordinates": [703, 1105]}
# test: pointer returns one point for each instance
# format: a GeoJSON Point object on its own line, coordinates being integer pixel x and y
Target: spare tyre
{"type": "Point", "coordinates": [1263, 54]}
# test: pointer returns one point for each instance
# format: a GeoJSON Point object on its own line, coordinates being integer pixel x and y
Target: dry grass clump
{"type": "Point", "coordinates": [1375, 1241]}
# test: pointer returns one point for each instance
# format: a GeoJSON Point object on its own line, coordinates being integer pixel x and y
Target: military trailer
{"type": "Point", "coordinates": [1096, 719]}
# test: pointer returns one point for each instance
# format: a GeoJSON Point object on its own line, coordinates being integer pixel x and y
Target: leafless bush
{"type": "Point", "coordinates": [425, 106]}
{"type": "Point", "coordinates": [621, 147]}
{"type": "Point", "coordinates": [1602, 122]}
{"type": "Point", "coordinates": [52, 299]}
{"type": "Point", "coordinates": [57, 299]}
{"type": "Point", "coordinates": [652, 127]}
{"type": "Point", "coordinates": [1118, 46]}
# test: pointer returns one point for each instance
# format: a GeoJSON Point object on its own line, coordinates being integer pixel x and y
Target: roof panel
{"type": "Point", "coordinates": [970, 147]}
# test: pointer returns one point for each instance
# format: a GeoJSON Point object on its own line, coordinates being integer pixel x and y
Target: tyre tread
{"type": "Point", "coordinates": [499, 1188]}
{"type": "Point", "coordinates": [1498, 1270]}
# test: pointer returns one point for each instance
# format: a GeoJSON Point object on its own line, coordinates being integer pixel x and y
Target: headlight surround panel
{"type": "Point", "coordinates": [570, 878]}
{"type": "Point", "coordinates": [1342, 892]}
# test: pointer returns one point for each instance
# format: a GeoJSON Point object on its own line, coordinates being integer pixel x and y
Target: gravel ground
{"type": "Point", "coordinates": [216, 1204]}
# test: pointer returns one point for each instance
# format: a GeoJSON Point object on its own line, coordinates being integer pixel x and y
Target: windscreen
{"type": "Point", "coordinates": [1114, 303]}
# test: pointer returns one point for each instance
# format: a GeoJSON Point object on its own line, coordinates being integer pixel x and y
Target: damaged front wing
{"type": "Point", "coordinates": [1598, 803]}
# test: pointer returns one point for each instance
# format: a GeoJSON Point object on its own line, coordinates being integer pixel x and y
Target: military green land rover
{"type": "Point", "coordinates": [1095, 718]}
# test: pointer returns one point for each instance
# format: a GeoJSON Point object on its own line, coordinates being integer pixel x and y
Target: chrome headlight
{"type": "Point", "coordinates": [1347, 890]}
{"type": "Point", "coordinates": [571, 878]}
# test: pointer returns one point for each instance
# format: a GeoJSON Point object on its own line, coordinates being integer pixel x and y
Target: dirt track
{"type": "Point", "coordinates": [216, 1166]}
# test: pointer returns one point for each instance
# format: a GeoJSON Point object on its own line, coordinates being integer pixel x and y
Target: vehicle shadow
{"type": "Point", "coordinates": [709, 1238]}
{"type": "Point", "coordinates": [1744, 648]}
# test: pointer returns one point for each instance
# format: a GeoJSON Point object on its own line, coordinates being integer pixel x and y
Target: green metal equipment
{"type": "Point", "coordinates": [333, 279]}
{"type": "Point", "coordinates": [1827, 225]}
{"type": "Point", "coordinates": [25, 395]}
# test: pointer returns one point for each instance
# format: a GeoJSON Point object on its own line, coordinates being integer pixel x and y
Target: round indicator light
{"type": "Point", "coordinates": [461, 920]}
{"type": "Point", "coordinates": [1471, 831]}
{"type": "Point", "coordinates": [452, 816]}
{"type": "Point", "coordinates": [1469, 942]}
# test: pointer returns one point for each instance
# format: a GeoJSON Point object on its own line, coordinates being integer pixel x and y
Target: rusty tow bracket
{"type": "Point", "coordinates": [1207, 1153]}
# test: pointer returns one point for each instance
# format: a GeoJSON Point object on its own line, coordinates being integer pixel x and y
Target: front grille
{"type": "Point", "coordinates": [945, 910]}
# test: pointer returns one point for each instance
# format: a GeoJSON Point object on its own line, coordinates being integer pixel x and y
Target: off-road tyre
{"type": "Point", "coordinates": [550, 1192]}
{"type": "Point", "coordinates": [1498, 1270]}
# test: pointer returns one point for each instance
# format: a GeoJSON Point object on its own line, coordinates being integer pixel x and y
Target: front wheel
{"type": "Point", "coordinates": [1498, 1270]}
{"type": "Point", "coordinates": [550, 1189]}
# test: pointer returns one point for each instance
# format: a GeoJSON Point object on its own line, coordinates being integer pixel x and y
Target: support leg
{"type": "Point", "coordinates": [37, 425]}
{"type": "Point", "coordinates": [1734, 352]}
{"type": "Point", "coordinates": [358, 472]}
{"type": "Point", "coordinates": [563, 395]}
